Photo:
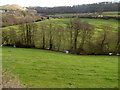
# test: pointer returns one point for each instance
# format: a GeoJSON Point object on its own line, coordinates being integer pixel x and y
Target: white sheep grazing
{"type": "Point", "coordinates": [67, 52]}
{"type": "Point", "coordinates": [14, 46]}
{"type": "Point", "coordinates": [110, 54]}
{"type": "Point", "coordinates": [117, 54]}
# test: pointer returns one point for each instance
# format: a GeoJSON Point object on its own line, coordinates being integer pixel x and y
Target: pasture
{"type": "Point", "coordinates": [108, 14]}
{"type": "Point", "coordinates": [65, 39]}
{"type": "Point", "coordinates": [38, 68]}
{"type": "Point", "coordinates": [96, 22]}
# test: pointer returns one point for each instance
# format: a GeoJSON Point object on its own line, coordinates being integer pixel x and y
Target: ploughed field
{"type": "Point", "coordinates": [36, 68]}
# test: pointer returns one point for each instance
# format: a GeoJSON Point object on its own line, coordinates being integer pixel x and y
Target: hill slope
{"type": "Point", "coordinates": [13, 7]}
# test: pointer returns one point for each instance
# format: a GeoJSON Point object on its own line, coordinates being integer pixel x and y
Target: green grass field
{"type": "Point", "coordinates": [48, 69]}
{"type": "Point", "coordinates": [96, 22]}
{"type": "Point", "coordinates": [111, 13]}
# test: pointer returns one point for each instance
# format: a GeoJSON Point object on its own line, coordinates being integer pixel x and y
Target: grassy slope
{"type": "Point", "coordinates": [112, 12]}
{"type": "Point", "coordinates": [96, 22]}
{"type": "Point", "coordinates": [48, 69]}
{"type": "Point", "coordinates": [12, 7]}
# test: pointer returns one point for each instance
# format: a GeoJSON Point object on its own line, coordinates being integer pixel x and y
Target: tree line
{"type": "Point", "coordinates": [75, 36]}
{"type": "Point", "coordinates": [19, 17]}
{"type": "Point", "coordinates": [85, 8]}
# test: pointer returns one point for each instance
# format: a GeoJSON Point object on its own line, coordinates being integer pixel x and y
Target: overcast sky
{"type": "Point", "coordinates": [49, 3]}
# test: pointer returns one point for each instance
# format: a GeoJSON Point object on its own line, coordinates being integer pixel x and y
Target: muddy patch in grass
{"type": "Point", "coordinates": [10, 81]}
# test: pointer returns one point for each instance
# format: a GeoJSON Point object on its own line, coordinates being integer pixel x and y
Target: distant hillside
{"type": "Point", "coordinates": [85, 8]}
{"type": "Point", "coordinates": [13, 7]}
{"type": "Point", "coordinates": [14, 15]}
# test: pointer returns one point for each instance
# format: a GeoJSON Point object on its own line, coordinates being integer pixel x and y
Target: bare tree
{"type": "Point", "coordinates": [106, 29]}
{"type": "Point", "coordinates": [86, 32]}
{"type": "Point", "coordinates": [27, 34]}
{"type": "Point", "coordinates": [43, 27]}
{"type": "Point", "coordinates": [70, 30]}
{"type": "Point", "coordinates": [50, 36]}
